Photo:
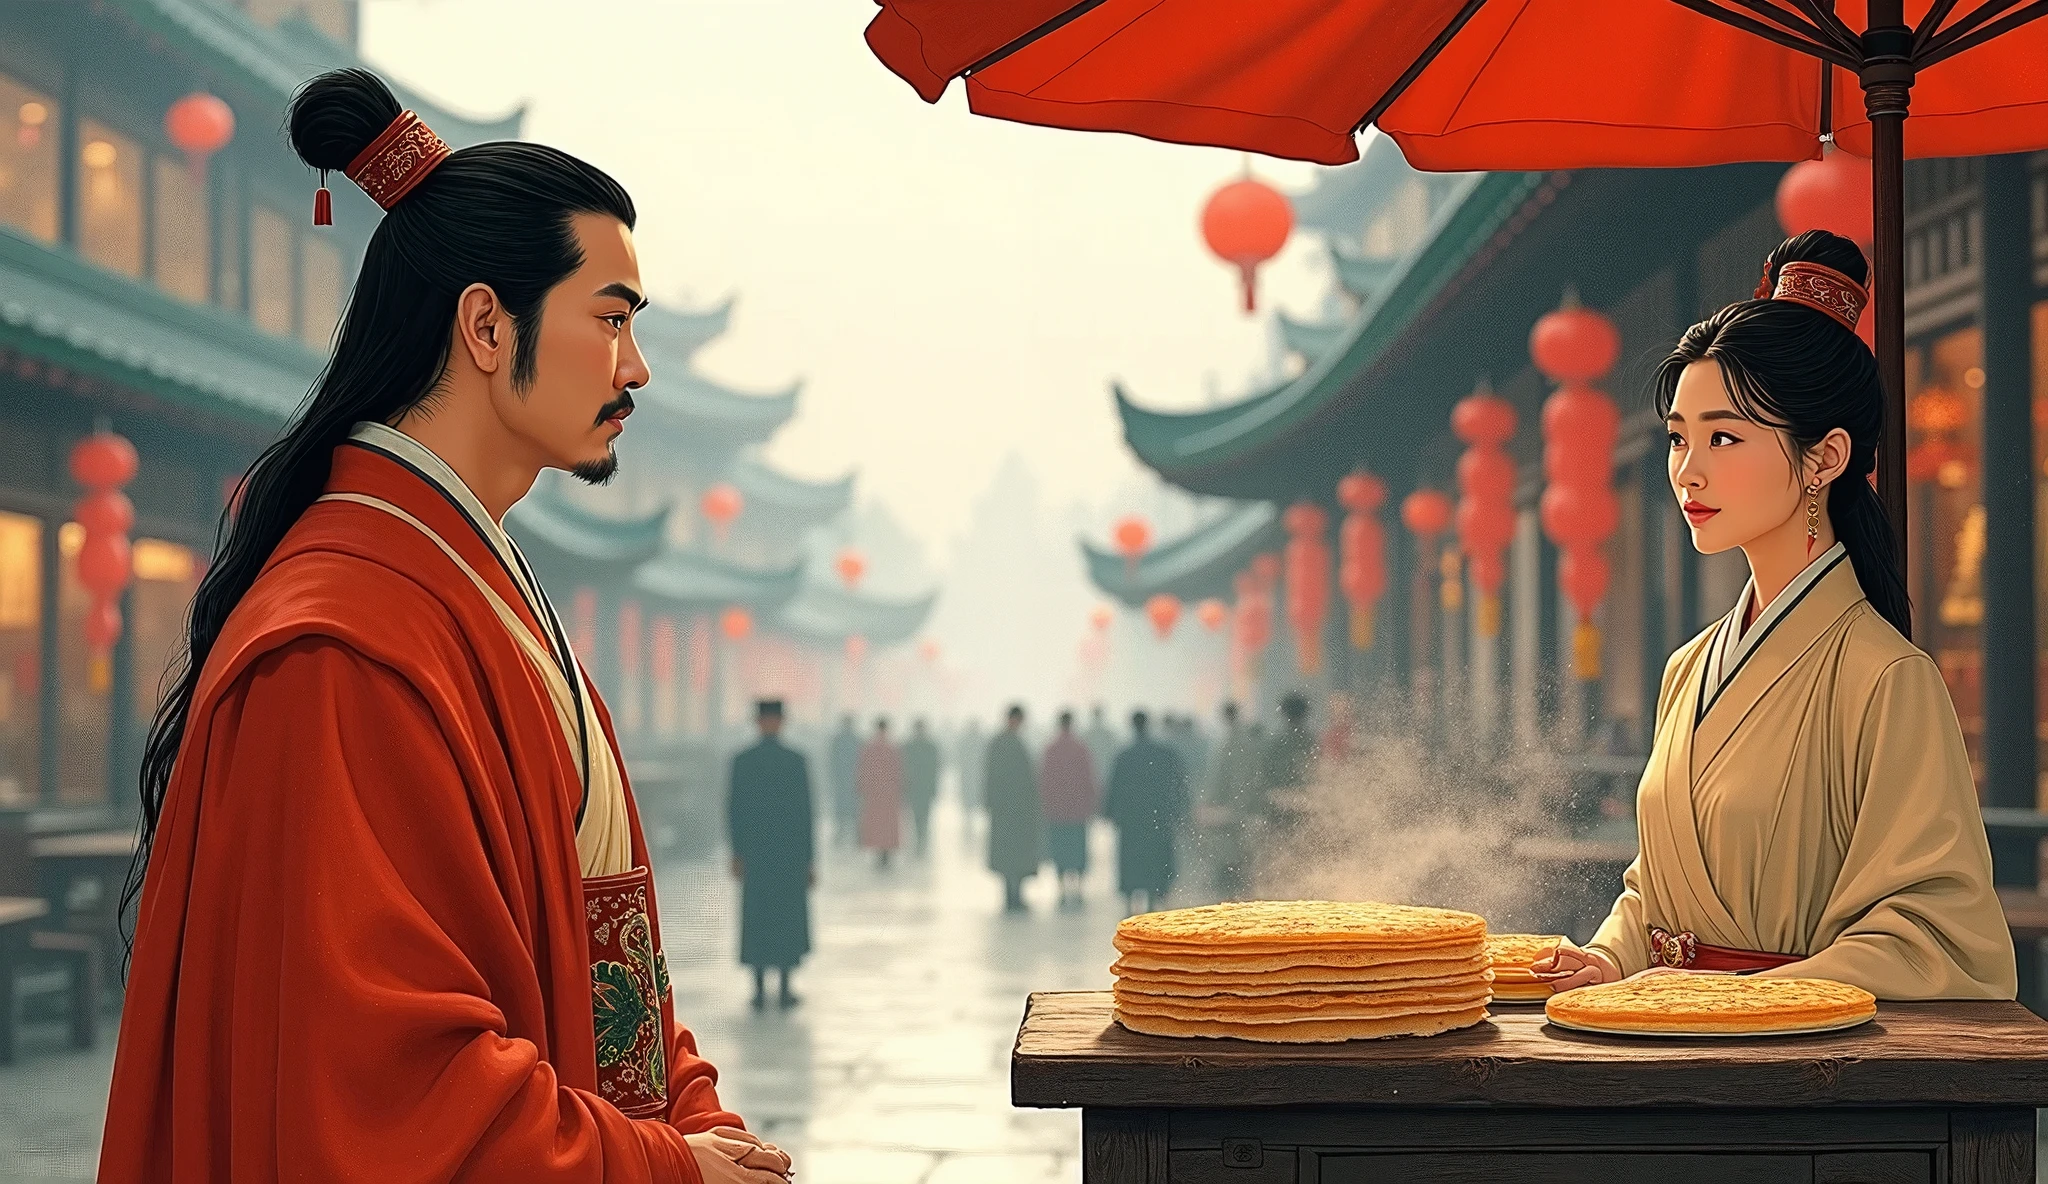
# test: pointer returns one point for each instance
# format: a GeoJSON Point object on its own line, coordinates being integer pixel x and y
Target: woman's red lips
{"type": "Point", "coordinates": [1699, 512]}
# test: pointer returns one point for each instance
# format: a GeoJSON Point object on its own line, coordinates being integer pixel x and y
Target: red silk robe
{"type": "Point", "coordinates": [361, 953]}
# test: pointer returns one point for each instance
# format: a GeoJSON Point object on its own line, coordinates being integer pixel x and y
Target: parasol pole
{"type": "Point", "coordinates": [1887, 78]}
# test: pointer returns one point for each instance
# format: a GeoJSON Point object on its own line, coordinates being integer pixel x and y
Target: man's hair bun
{"type": "Point", "coordinates": [335, 116]}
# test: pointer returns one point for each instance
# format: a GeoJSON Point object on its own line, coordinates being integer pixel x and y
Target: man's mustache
{"type": "Point", "coordinates": [623, 403]}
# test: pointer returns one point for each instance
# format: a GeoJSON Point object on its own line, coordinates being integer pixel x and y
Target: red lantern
{"type": "Point", "coordinates": [1487, 474]}
{"type": "Point", "coordinates": [1362, 572]}
{"type": "Point", "coordinates": [200, 125]}
{"type": "Point", "coordinates": [856, 649]}
{"type": "Point", "coordinates": [104, 564]}
{"type": "Point", "coordinates": [104, 460]}
{"type": "Point", "coordinates": [102, 626]}
{"type": "Point", "coordinates": [1579, 516]}
{"type": "Point", "coordinates": [1936, 411]}
{"type": "Point", "coordinates": [1211, 613]}
{"type": "Point", "coordinates": [1304, 518]}
{"type": "Point", "coordinates": [1266, 569]}
{"type": "Point", "coordinates": [1426, 512]}
{"type": "Point", "coordinates": [851, 567]}
{"type": "Point", "coordinates": [721, 504]}
{"type": "Point", "coordinates": [105, 511]}
{"type": "Point", "coordinates": [1100, 617]}
{"type": "Point", "coordinates": [1308, 581]}
{"type": "Point", "coordinates": [1581, 414]}
{"type": "Point", "coordinates": [1574, 344]}
{"type": "Point", "coordinates": [1163, 610]}
{"type": "Point", "coordinates": [1246, 223]}
{"type": "Point", "coordinates": [736, 623]}
{"type": "Point", "coordinates": [1132, 535]}
{"type": "Point", "coordinates": [629, 639]}
{"type": "Point", "coordinates": [1833, 193]}
{"type": "Point", "coordinates": [1361, 493]}
{"type": "Point", "coordinates": [1484, 419]}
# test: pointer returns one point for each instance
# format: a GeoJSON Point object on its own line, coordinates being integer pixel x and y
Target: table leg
{"type": "Point", "coordinates": [1991, 1147]}
{"type": "Point", "coordinates": [1123, 1147]}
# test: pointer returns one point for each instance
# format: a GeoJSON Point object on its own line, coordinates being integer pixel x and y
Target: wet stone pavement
{"type": "Point", "coordinates": [894, 1068]}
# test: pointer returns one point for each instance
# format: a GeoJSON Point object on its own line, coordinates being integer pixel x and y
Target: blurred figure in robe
{"type": "Point", "coordinates": [844, 768]}
{"type": "Point", "coordinates": [920, 780]}
{"type": "Point", "coordinates": [1069, 794]}
{"type": "Point", "coordinates": [1286, 763]}
{"type": "Point", "coordinates": [1148, 802]}
{"type": "Point", "coordinates": [1101, 740]}
{"type": "Point", "coordinates": [1016, 818]}
{"type": "Point", "coordinates": [769, 831]}
{"type": "Point", "coordinates": [1231, 806]}
{"type": "Point", "coordinates": [880, 780]}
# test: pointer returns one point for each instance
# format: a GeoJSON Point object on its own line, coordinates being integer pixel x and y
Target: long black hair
{"type": "Point", "coordinates": [497, 214]}
{"type": "Point", "coordinates": [1804, 373]}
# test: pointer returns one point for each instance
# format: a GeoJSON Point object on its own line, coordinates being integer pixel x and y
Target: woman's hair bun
{"type": "Point", "coordinates": [336, 115]}
{"type": "Point", "coordinates": [1825, 248]}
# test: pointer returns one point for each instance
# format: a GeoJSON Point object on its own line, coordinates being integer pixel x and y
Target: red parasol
{"type": "Point", "coordinates": [1520, 84]}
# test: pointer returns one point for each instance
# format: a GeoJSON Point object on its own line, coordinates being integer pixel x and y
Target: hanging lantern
{"type": "Point", "coordinates": [1100, 617]}
{"type": "Point", "coordinates": [1574, 344]}
{"type": "Point", "coordinates": [1266, 569]}
{"type": "Point", "coordinates": [856, 649]}
{"type": "Point", "coordinates": [851, 566]}
{"type": "Point", "coordinates": [1833, 193]}
{"type": "Point", "coordinates": [1361, 493]}
{"type": "Point", "coordinates": [1936, 411]}
{"type": "Point", "coordinates": [721, 504]}
{"type": "Point", "coordinates": [102, 463]}
{"type": "Point", "coordinates": [736, 623]}
{"type": "Point", "coordinates": [1246, 223]}
{"type": "Point", "coordinates": [1426, 513]}
{"type": "Point", "coordinates": [1582, 574]}
{"type": "Point", "coordinates": [1362, 572]}
{"type": "Point", "coordinates": [1212, 613]}
{"type": "Point", "coordinates": [1308, 581]}
{"type": "Point", "coordinates": [200, 125]}
{"type": "Point", "coordinates": [629, 639]}
{"type": "Point", "coordinates": [1132, 536]}
{"type": "Point", "coordinates": [1163, 610]}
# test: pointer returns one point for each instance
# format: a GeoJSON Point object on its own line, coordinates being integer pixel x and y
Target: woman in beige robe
{"type": "Point", "coordinates": [1808, 808]}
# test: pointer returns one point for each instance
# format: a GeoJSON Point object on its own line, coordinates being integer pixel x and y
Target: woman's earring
{"type": "Point", "coordinates": [1812, 517]}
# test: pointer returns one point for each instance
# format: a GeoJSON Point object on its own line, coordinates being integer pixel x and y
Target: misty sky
{"type": "Point", "coordinates": [949, 287]}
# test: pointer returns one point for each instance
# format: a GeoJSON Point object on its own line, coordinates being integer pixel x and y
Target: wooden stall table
{"type": "Point", "coordinates": [1940, 1093]}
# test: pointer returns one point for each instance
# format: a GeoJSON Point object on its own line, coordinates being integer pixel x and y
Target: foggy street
{"type": "Point", "coordinates": [894, 1069]}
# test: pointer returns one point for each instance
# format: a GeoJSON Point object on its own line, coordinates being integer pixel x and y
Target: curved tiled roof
{"type": "Point", "coordinates": [563, 537]}
{"type": "Point", "coordinates": [696, 581]}
{"type": "Point", "coordinates": [1198, 564]}
{"type": "Point", "coordinates": [823, 613]}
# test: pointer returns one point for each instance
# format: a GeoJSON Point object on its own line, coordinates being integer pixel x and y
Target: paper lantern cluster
{"type": "Point", "coordinates": [1937, 417]}
{"type": "Point", "coordinates": [1251, 625]}
{"type": "Point", "coordinates": [1307, 559]}
{"type": "Point", "coordinates": [1486, 509]}
{"type": "Point", "coordinates": [1212, 614]}
{"type": "Point", "coordinates": [1246, 223]}
{"type": "Point", "coordinates": [1362, 553]}
{"type": "Point", "coordinates": [736, 623]}
{"type": "Point", "coordinates": [1576, 347]}
{"type": "Point", "coordinates": [200, 125]}
{"type": "Point", "coordinates": [1427, 513]}
{"type": "Point", "coordinates": [851, 566]}
{"type": "Point", "coordinates": [721, 504]}
{"type": "Point", "coordinates": [1163, 610]}
{"type": "Point", "coordinates": [1132, 536]}
{"type": "Point", "coordinates": [103, 462]}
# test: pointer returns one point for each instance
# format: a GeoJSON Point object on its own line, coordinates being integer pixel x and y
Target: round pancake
{"type": "Point", "coordinates": [1272, 1009]}
{"type": "Point", "coordinates": [1721, 1004]}
{"type": "Point", "coordinates": [1316, 1031]}
{"type": "Point", "coordinates": [1199, 961]}
{"type": "Point", "coordinates": [1252, 985]}
{"type": "Point", "coordinates": [1296, 923]}
{"type": "Point", "coordinates": [1520, 949]}
{"type": "Point", "coordinates": [1514, 992]}
{"type": "Point", "coordinates": [1474, 991]}
{"type": "Point", "coordinates": [1131, 967]}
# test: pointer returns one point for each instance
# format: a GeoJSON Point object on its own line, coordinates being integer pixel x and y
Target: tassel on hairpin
{"type": "Point", "coordinates": [323, 203]}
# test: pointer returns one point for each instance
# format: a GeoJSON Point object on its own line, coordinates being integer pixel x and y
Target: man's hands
{"type": "Point", "coordinates": [1569, 967]}
{"type": "Point", "coordinates": [729, 1155]}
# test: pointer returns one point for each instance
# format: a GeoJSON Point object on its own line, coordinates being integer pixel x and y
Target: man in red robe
{"type": "Point", "coordinates": [363, 949]}
{"type": "Point", "coordinates": [880, 780]}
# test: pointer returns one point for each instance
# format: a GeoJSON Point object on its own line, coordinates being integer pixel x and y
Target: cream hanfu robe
{"type": "Point", "coordinates": [1817, 802]}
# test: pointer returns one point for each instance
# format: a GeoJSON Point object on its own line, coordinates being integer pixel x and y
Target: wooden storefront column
{"type": "Point", "coordinates": [49, 664]}
{"type": "Point", "coordinates": [2011, 762]}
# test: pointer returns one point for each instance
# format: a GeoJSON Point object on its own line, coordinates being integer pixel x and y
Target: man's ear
{"type": "Point", "coordinates": [482, 327]}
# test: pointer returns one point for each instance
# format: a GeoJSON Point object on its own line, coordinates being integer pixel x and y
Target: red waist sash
{"type": "Point", "coordinates": [1683, 951]}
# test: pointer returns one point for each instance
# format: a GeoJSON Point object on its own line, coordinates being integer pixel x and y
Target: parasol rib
{"type": "Point", "coordinates": [1790, 22]}
{"type": "Point", "coordinates": [1823, 14]}
{"type": "Point", "coordinates": [1052, 26]}
{"type": "Point", "coordinates": [1943, 48]}
{"type": "Point", "coordinates": [1770, 32]}
{"type": "Point", "coordinates": [1416, 67]}
{"type": "Point", "coordinates": [1931, 23]}
{"type": "Point", "coordinates": [1968, 21]}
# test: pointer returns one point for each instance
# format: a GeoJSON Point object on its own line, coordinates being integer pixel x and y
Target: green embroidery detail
{"type": "Point", "coordinates": [617, 1010]}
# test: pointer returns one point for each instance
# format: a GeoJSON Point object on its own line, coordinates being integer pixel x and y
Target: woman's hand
{"type": "Point", "coordinates": [729, 1155]}
{"type": "Point", "coordinates": [1570, 967]}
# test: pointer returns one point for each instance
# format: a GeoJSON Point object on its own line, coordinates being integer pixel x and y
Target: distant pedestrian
{"type": "Point", "coordinates": [1068, 791]}
{"type": "Point", "coordinates": [1101, 740]}
{"type": "Point", "coordinates": [768, 830]}
{"type": "Point", "coordinates": [880, 779]}
{"type": "Point", "coordinates": [1231, 793]}
{"type": "Point", "coordinates": [1016, 819]}
{"type": "Point", "coordinates": [1148, 802]}
{"type": "Point", "coordinates": [844, 770]}
{"type": "Point", "coordinates": [920, 780]}
{"type": "Point", "coordinates": [1286, 764]}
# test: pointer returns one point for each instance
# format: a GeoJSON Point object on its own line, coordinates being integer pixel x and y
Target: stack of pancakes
{"type": "Point", "coordinates": [1712, 1005]}
{"type": "Point", "coordinates": [1513, 954]}
{"type": "Point", "coordinates": [1302, 971]}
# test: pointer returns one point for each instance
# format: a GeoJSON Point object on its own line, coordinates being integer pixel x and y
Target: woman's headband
{"type": "Point", "coordinates": [390, 167]}
{"type": "Point", "coordinates": [1818, 286]}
